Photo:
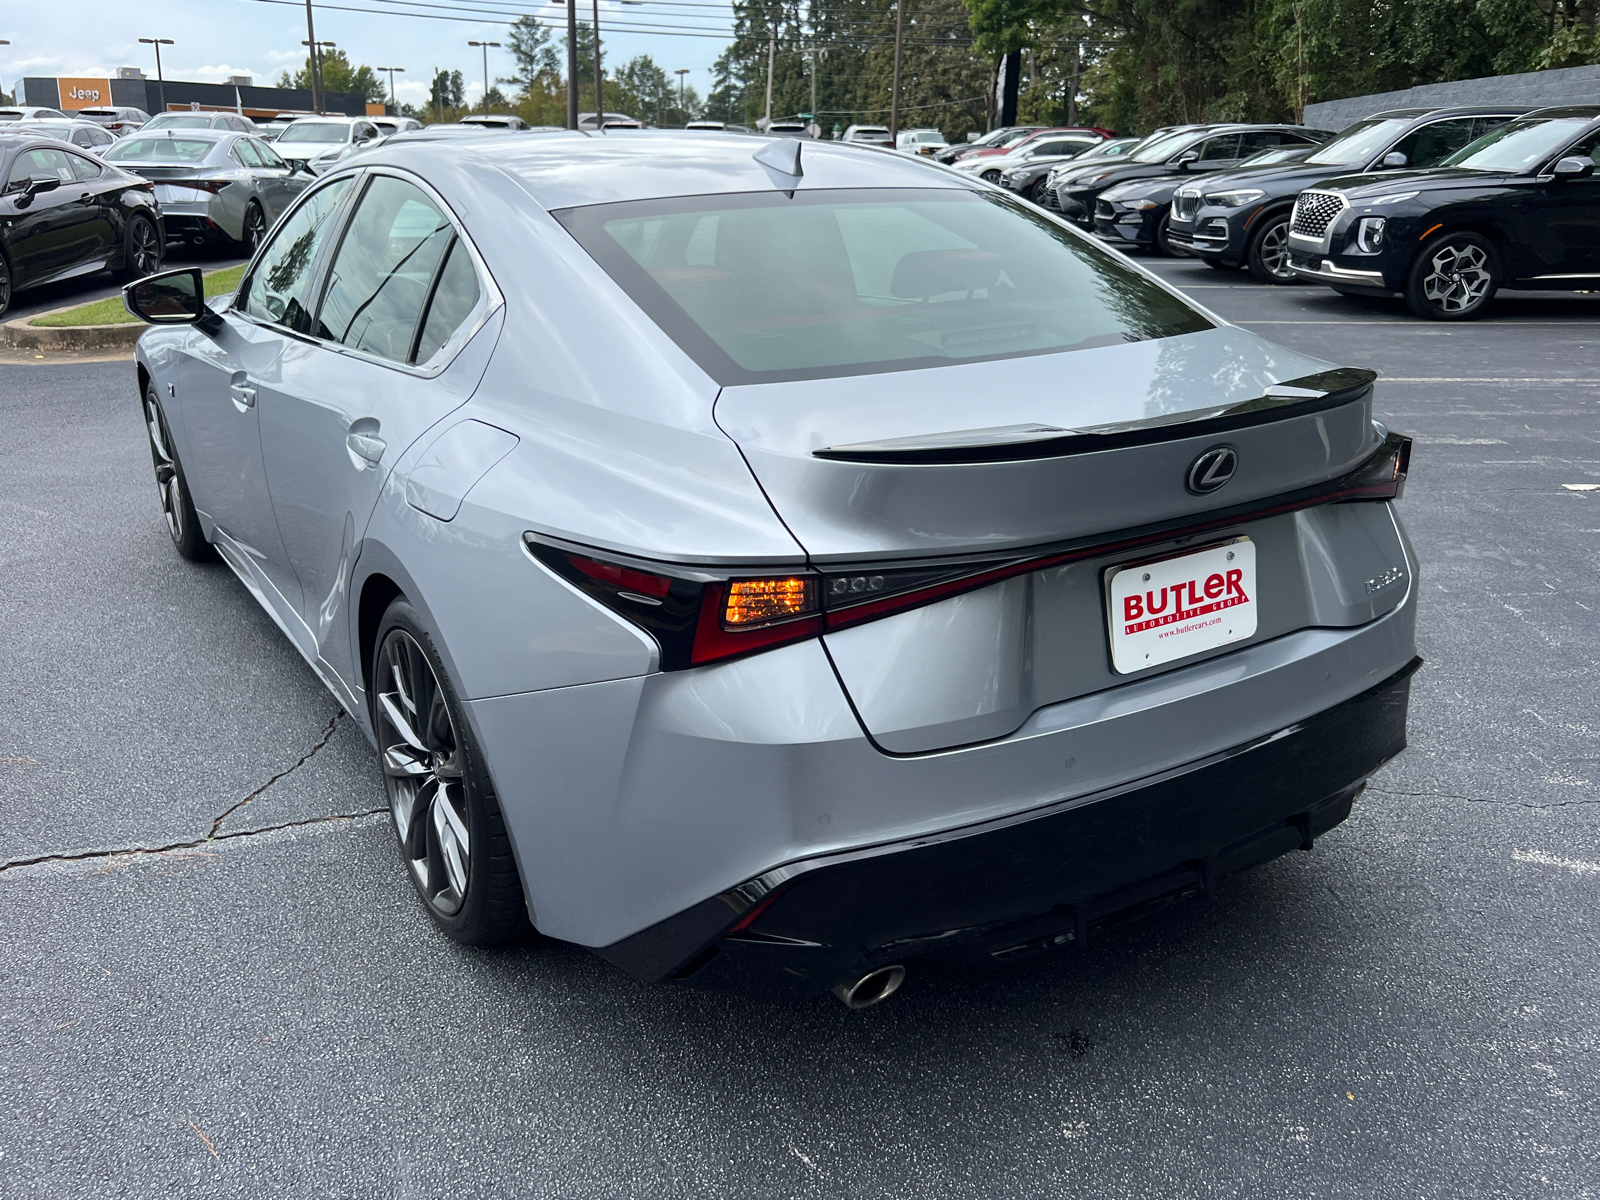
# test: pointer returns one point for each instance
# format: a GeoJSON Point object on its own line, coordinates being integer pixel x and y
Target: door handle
{"type": "Point", "coordinates": [243, 394]}
{"type": "Point", "coordinates": [366, 449]}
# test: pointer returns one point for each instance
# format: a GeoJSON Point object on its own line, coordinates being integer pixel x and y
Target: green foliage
{"type": "Point", "coordinates": [338, 75]}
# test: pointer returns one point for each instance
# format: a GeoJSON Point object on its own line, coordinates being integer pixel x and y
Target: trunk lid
{"type": "Point", "coordinates": [905, 472]}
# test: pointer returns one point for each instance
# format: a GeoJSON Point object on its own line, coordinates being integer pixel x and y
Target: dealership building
{"type": "Point", "coordinates": [133, 89]}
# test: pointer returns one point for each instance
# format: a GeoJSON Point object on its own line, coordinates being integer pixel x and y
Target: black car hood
{"type": "Point", "coordinates": [1284, 179]}
{"type": "Point", "coordinates": [1361, 187]}
{"type": "Point", "coordinates": [1159, 189]}
{"type": "Point", "coordinates": [1128, 173]}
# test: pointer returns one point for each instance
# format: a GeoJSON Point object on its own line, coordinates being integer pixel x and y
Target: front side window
{"type": "Point", "coordinates": [265, 154]}
{"type": "Point", "coordinates": [384, 271]}
{"type": "Point", "coordinates": [1432, 144]}
{"type": "Point", "coordinates": [1517, 145]}
{"type": "Point", "coordinates": [279, 290]}
{"type": "Point", "coordinates": [757, 287]}
{"type": "Point", "coordinates": [56, 164]}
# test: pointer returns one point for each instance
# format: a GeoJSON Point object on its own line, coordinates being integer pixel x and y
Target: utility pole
{"type": "Point", "coordinates": [599, 77]}
{"type": "Point", "coordinates": [316, 73]}
{"type": "Point", "coordinates": [1072, 88]}
{"type": "Point", "coordinates": [894, 95]}
{"type": "Point", "coordinates": [4, 42]}
{"type": "Point", "coordinates": [814, 52]}
{"type": "Point", "coordinates": [772, 53]}
{"type": "Point", "coordinates": [161, 81]}
{"type": "Point", "coordinates": [680, 73]}
{"type": "Point", "coordinates": [391, 71]}
{"type": "Point", "coordinates": [485, 46]}
{"type": "Point", "coordinates": [319, 91]}
{"type": "Point", "coordinates": [572, 64]}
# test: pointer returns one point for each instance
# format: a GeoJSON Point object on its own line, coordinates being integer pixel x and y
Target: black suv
{"type": "Point", "coordinates": [1242, 219]}
{"type": "Point", "coordinates": [1201, 148]}
{"type": "Point", "coordinates": [1519, 207]}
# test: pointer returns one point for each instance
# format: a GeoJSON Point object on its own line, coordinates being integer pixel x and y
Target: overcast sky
{"type": "Point", "coordinates": [218, 38]}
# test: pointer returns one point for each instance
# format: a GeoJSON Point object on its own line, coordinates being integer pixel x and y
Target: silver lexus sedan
{"type": "Point", "coordinates": [212, 183]}
{"type": "Point", "coordinates": [767, 563]}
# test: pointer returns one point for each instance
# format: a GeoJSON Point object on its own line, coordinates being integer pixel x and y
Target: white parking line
{"type": "Point", "coordinates": [1576, 865]}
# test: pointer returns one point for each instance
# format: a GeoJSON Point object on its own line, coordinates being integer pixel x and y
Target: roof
{"type": "Point", "coordinates": [1586, 111]}
{"type": "Point", "coordinates": [566, 168]}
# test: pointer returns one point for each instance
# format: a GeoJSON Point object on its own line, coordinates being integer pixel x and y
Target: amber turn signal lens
{"type": "Point", "coordinates": [757, 601]}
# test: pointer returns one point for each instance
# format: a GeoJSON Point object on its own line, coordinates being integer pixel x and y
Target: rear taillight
{"type": "Point", "coordinates": [205, 185]}
{"type": "Point", "coordinates": [705, 615]}
{"type": "Point", "coordinates": [696, 616]}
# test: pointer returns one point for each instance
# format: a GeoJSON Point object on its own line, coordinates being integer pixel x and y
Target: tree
{"type": "Point", "coordinates": [338, 75]}
{"type": "Point", "coordinates": [447, 91]}
{"type": "Point", "coordinates": [536, 54]}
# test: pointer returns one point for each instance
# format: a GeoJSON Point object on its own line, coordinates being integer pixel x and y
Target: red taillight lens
{"type": "Point", "coordinates": [623, 578]}
{"type": "Point", "coordinates": [205, 185]}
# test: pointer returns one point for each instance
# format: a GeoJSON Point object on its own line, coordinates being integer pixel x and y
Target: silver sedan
{"type": "Point", "coordinates": [212, 184]}
{"type": "Point", "coordinates": [769, 562]}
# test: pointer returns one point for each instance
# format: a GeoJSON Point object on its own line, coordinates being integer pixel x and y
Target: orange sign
{"type": "Point", "coordinates": [84, 93]}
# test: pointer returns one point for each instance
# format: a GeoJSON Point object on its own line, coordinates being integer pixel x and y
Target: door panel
{"type": "Point", "coordinates": [339, 413]}
{"type": "Point", "coordinates": [55, 230]}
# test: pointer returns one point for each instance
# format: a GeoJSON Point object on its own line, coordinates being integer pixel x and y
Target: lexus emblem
{"type": "Point", "coordinates": [1212, 469]}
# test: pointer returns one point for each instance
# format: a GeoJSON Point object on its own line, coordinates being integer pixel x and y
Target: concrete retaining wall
{"type": "Point", "coordinates": [1569, 85]}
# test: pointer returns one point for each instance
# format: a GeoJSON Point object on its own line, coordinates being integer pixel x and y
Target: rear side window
{"type": "Point", "coordinates": [454, 298]}
{"type": "Point", "coordinates": [279, 290]}
{"type": "Point", "coordinates": [758, 287]}
{"type": "Point", "coordinates": [384, 270]}
{"type": "Point", "coordinates": [83, 168]}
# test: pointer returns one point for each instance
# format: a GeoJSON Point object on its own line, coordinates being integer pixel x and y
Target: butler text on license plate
{"type": "Point", "coordinates": [1180, 606]}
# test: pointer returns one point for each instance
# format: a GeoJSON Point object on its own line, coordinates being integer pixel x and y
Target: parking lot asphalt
{"type": "Point", "coordinates": [86, 289]}
{"type": "Point", "coordinates": [1410, 1010]}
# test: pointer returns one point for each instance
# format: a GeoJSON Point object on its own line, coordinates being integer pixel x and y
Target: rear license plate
{"type": "Point", "coordinates": [1175, 607]}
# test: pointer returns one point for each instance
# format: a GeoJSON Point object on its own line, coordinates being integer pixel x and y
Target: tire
{"type": "Point", "coordinates": [141, 249]}
{"type": "Point", "coordinates": [1453, 278]}
{"type": "Point", "coordinates": [439, 791]}
{"type": "Point", "coordinates": [171, 484]}
{"type": "Point", "coordinates": [255, 229]}
{"type": "Point", "coordinates": [1267, 258]}
{"type": "Point", "coordinates": [990, 177]}
{"type": "Point", "coordinates": [1036, 193]}
{"type": "Point", "coordinates": [5, 286]}
{"type": "Point", "coordinates": [1164, 247]}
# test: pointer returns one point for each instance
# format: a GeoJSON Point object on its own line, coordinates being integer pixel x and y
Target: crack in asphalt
{"type": "Point", "coordinates": [215, 835]}
{"type": "Point", "coordinates": [1480, 799]}
{"type": "Point", "coordinates": [327, 734]}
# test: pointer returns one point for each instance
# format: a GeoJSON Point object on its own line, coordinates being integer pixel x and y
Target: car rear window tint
{"type": "Point", "coordinates": [453, 302]}
{"type": "Point", "coordinates": [758, 287]}
{"type": "Point", "coordinates": [159, 149]}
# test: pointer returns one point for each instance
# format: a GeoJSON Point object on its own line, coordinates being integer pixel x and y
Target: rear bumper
{"type": "Point", "coordinates": [1035, 881]}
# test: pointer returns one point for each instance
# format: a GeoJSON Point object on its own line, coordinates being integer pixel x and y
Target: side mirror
{"type": "Point", "coordinates": [1574, 166]}
{"type": "Point", "coordinates": [170, 298]}
{"type": "Point", "coordinates": [301, 164]}
{"type": "Point", "coordinates": [1184, 160]}
{"type": "Point", "coordinates": [1394, 159]}
{"type": "Point", "coordinates": [37, 184]}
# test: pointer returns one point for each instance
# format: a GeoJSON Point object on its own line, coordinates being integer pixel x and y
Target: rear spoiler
{"type": "Point", "coordinates": [1019, 443]}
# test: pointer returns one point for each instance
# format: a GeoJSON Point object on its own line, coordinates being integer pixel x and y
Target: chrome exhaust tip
{"type": "Point", "coordinates": [870, 988]}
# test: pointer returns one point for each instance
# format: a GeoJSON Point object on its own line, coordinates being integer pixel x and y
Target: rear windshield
{"type": "Point", "coordinates": [315, 133]}
{"type": "Point", "coordinates": [169, 122]}
{"type": "Point", "coordinates": [158, 149]}
{"type": "Point", "coordinates": [758, 287]}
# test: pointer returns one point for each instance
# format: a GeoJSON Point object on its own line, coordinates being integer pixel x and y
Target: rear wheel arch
{"type": "Point", "coordinates": [377, 593]}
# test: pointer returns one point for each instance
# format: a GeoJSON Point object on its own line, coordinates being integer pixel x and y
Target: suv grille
{"type": "Point", "coordinates": [1185, 205]}
{"type": "Point", "coordinates": [1315, 211]}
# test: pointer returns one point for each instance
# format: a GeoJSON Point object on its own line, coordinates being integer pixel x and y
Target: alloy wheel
{"type": "Point", "coordinates": [255, 228]}
{"type": "Point", "coordinates": [169, 483]}
{"type": "Point", "coordinates": [1458, 278]}
{"type": "Point", "coordinates": [5, 287]}
{"type": "Point", "coordinates": [144, 250]}
{"type": "Point", "coordinates": [1275, 251]}
{"type": "Point", "coordinates": [423, 773]}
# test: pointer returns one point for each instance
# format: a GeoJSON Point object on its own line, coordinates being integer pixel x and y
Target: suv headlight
{"type": "Point", "coordinates": [1141, 205]}
{"type": "Point", "coordinates": [1369, 234]}
{"type": "Point", "coordinates": [1235, 199]}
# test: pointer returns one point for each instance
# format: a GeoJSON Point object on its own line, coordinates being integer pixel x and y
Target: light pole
{"type": "Point", "coordinates": [485, 46]}
{"type": "Point", "coordinates": [319, 90]}
{"type": "Point", "coordinates": [680, 73]}
{"type": "Point", "coordinates": [161, 82]}
{"type": "Point", "coordinates": [391, 71]}
{"type": "Point", "coordinates": [4, 42]}
{"type": "Point", "coordinates": [599, 76]}
{"type": "Point", "coordinates": [894, 94]}
{"type": "Point", "coordinates": [572, 64]}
